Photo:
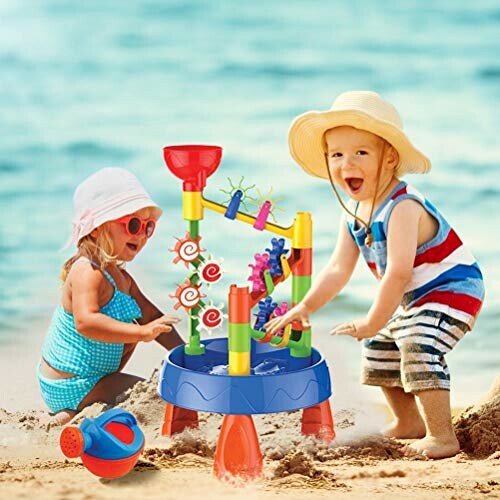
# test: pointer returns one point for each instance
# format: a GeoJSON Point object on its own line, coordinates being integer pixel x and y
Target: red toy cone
{"type": "Point", "coordinates": [238, 451]}
{"type": "Point", "coordinates": [318, 421]}
{"type": "Point", "coordinates": [177, 419]}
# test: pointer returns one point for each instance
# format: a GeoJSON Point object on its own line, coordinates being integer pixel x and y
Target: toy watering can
{"type": "Point", "coordinates": [108, 445]}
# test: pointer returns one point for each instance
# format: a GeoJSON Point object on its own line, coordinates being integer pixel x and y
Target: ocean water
{"type": "Point", "coordinates": [91, 84]}
{"type": "Point", "coordinates": [270, 366]}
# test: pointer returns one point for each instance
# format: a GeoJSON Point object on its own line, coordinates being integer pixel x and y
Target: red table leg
{"type": "Point", "coordinates": [318, 421]}
{"type": "Point", "coordinates": [238, 450]}
{"type": "Point", "coordinates": [177, 419]}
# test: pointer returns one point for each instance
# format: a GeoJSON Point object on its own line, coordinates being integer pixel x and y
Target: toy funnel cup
{"type": "Point", "coordinates": [193, 164]}
{"type": "Point", "coordinates": [108, 445]}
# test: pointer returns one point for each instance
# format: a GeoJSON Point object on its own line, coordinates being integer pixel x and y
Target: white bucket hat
{"type": "Point", "coordinates": [364, 110]}
{"type": "Point", "coordinates": [108, 194]}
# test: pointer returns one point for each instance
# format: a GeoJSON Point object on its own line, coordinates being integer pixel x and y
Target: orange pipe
{"type": "Point", "coordinates": [239, 306]}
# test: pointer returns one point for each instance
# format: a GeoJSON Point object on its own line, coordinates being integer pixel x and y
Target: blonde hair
{"type": "Point", "coordinates": [98, 249]}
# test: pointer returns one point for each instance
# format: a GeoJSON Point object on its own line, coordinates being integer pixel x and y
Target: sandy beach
{"type": "Point", "coordinates": [356, 464]}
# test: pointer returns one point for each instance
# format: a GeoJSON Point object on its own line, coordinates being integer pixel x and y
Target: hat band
{"type": "Point", "coordinates": [91, 219]}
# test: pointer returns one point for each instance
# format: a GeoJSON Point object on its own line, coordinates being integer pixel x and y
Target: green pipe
{"type": "Point", "coordinates": [194, 228]}
{"type": "Point", "coordinates": [194, 346]}
{"type": "Point", "coordinates": [275, 339]}
{"type": "Point", "coordinates": [268, 280]}
{"type": "Point", "coordinates": [239, 337]}
{"type": "Point", "coordinates": [300, 286]}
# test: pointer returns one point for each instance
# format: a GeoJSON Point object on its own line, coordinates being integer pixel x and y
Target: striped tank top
{"type": "Point", "coordinates": [445, 277]}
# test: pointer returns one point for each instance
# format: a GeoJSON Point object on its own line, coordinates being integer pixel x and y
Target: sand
{"type": "Point", "coordinates": [357, 464]}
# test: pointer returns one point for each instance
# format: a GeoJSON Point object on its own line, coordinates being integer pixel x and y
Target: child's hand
{"type": "Point", "coordinates": [299, 312]}
{"type": "Point", "coordinates": [359, 329]}
{"type": "Point", "coordinates": [171, 319]}
{"type": "Point", "coordinates": [151, 330]}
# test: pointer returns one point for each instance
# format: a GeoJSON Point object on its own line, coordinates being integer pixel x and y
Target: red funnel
{"type": "Point", "coordinates": [192, 163]}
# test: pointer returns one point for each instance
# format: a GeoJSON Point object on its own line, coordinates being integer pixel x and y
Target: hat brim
{"type": "Point", "coordinates": [126, 208]}
{"type": "Point", "coordinates": [129, 207]}
{"type": "Point", "coordinates": [306, 143]}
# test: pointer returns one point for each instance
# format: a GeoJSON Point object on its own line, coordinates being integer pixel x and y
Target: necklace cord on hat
{"type": "Point", "coordinates": [369, 236]}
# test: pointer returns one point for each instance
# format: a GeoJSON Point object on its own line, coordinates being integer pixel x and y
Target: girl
{"type": "Point", "coordinates": [103, 313]}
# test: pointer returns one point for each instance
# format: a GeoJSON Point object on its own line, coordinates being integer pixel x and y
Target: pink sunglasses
{"type": "Point", "coordinates": [135, 225]}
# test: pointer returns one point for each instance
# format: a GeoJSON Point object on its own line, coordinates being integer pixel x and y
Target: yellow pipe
{"type": "Point", "coordinates": [239, 363]}
{"type": "Point", "coordinates": [302, 230]}
{"type": "Point", "coordinates": [285, 338]}
{"type": "Point", "coordinates": [192, 207]}
{"type": "Point", "coordinates": [287, 232]}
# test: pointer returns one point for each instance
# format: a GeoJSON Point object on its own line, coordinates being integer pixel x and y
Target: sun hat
{"type": "Point", "coordinates": [361, 109]}
{"type": "Point", "coordinates": [108, 194]}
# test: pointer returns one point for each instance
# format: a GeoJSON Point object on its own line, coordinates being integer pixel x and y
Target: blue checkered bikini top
{"type": "Point", "coordinates": [69, 351]}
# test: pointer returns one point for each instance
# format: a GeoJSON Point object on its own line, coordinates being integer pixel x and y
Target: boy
{"type": "Point", "coordinates": [431, 288]}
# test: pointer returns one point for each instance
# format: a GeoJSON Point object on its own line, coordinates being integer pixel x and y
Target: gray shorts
{"type": "Point", "coordinates": [409, 352]}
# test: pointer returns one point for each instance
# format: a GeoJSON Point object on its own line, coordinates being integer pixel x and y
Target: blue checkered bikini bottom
{"type": "Point", "coordinates": [66, 393]}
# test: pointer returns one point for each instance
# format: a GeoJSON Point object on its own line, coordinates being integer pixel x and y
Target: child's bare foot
{"type": "Point", "coordinates": [413, 429]}
{"type": "Point", "coordinates": [60, 418]}
{"type": "Point", "coordinates": [434, 447]}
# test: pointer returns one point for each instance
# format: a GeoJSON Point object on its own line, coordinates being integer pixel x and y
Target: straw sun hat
{"type": "Point", "coordinates": [363, 110]}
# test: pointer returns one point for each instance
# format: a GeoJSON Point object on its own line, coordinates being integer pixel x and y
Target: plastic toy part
{"type": "Point", "coordinates": [72, 442]}
{"type": "Point", "coordinates": [238, 194]}
{"type": "Point", "coordinates": [268, 281]}
{"type": "Point", "coordinates": [257, 276]}
{"type": "Point", "coordinates": [318, 421]}
{"type": "Point", "coordinates": [266, 338]}
{"type": "Point", "coordinates": [185, 382]}
{"type": "Point", "coordinates": [110, 469]}
{"type": "Point", "coordinates": [177, 419]}
{"type": "Point", "coordinates": [193, 164]}
{"type": "Point", "coordinates": [261, 219]}
{"type": "Point", "coordinates": [187, 295]}
{"type": "Point", "coordinates": [108, 445]}
{"type": "Point", "coordinates": [269, 265]}
{"type": "Point", "coordinates": [238, 304]}
{"type": "Point", "coordinates": [280, 311]}
{"type": "Point", "coordinates": [285, 266]}
{"type": "Point", "coordinates": [238, 451]}
{"type": "Point", "coordinates": [270, 205]}
{"type": "Point", "coordinates": [210, 318]}
{"type": "Point", "coordinates": [187, 249]}
{"type": "Point", "coordinates": [275, 253]}
{"type": "Point", "coordinates": [234, 205]}
{"type": "Point", "coordinates": [299, 327]}
{"type": "Point", "coordinates": [286, 332]}
{"type": "Point", "coordinates": [266, 308]}
{"type": "Point", "coordinates": [210, 271]}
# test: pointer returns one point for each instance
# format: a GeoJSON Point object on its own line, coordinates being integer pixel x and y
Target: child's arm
{"type": "Point", "coordinates": [327, 285]}
{"type": "Point", "coordinates": [90, 322]}
{"type": "Point", "coordinates": [169, 338]}
{"type": "Point", "coordinates": [402, 240]}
